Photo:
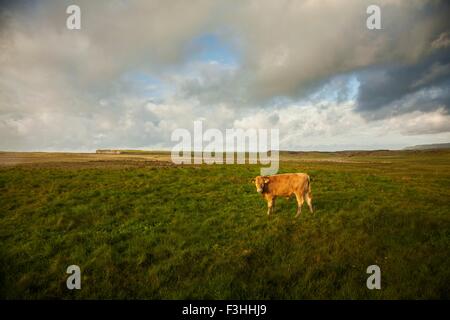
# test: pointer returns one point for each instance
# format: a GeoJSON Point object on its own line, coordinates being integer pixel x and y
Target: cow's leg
{"type": "Point", "coordinates": [308, 198]}
{"type": "Point", "coordinates": [299, 197]}
{"type": "Point", "coordinates": [270, 203]}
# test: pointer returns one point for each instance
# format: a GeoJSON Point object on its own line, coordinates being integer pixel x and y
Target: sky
{"type": "Point", "coordinates": [138, 70]}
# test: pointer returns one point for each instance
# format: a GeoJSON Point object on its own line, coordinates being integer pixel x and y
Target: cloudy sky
{"type": "Point", "coordinates": [137, 70]}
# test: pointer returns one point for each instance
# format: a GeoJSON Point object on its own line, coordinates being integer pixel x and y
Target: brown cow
{"type": "Point", "coordinates": [284, 185]}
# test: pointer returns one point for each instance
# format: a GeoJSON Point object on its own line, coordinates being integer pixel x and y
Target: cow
{"type": "Point", "coordinates": [284, 185]}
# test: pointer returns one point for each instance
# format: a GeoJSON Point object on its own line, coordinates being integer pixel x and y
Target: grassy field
{"type": "Point", "coordinates": [140, 227]}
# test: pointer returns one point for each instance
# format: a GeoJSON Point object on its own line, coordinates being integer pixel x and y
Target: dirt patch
{"type": "Point", "coordinates": [80, 160]}
{"type": "Point", "coordinates": [105, 164]}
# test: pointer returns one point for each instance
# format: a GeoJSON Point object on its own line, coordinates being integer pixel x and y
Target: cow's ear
{"type": "Point", "coordinates": [266, 180]}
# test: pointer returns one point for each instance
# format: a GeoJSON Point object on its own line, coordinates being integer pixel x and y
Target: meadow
{"type": "Point", "coordinates": [140, 227]}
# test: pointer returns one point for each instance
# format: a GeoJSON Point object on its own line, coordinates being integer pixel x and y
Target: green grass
{"type": "Point", "coordinates": [202, 232]}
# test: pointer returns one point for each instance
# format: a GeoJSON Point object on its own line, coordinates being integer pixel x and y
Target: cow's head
{"type": "Point", "coordinates": [260, 182]}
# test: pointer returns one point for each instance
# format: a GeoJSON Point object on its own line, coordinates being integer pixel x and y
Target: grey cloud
{"type": "Point", "coordinates": [210, 84]}
{"type": "Point", "coordinates": [52, 80]}
{"type": "Point", "coordinates": [295, 47]}
{"type": "Point", "coordinates": [298, 44]}
{"type": "Point", "coordinates": [397, 89]}
{"type": "Point", "coordinates": [116, 36]}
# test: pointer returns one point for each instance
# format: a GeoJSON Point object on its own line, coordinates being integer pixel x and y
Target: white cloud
{"type": "Point", "coordinates": [443, 41]}
{"type": "Point", "coordinates": [420, 123]}
{"type": "Point", "coordinates": [337, 126]}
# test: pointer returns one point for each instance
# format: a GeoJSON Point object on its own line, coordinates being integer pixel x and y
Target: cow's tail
{"type": "Point", "coordinates": [308, 186]}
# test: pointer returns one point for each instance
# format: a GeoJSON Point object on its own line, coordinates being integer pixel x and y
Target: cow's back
{"type": "Point", "coordinates": [287, 183]}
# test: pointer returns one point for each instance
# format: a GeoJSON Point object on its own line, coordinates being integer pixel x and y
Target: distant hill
{"type": "Point", "coordinates": [429, 146]}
